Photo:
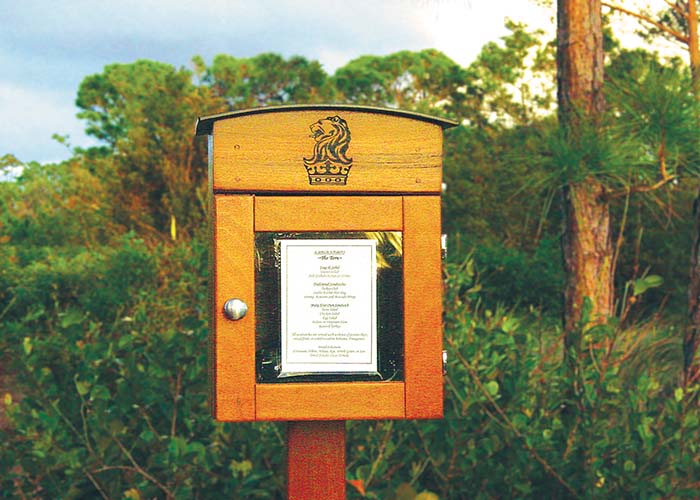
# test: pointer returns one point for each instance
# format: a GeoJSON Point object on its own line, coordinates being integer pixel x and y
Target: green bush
{"type": "Point", "coordinates": [514, 428]}
{"type": "Point", "coordinates": [116, 405]}
{"type": "Point", "coordinates": [112, 373]}
{"type": "Point", "coordinates": [516, 276]}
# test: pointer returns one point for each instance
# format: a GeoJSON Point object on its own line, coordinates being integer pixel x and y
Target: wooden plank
{"type": "Point", "coordinates": [328, 213]}
{"type": "Point", "coordinates": [423, 307]}
{"type": "Point", "coordinates": [233, 341]}
{"type": "Point", "coordinates": [316, 460]}
{"type": "Point", "coordinates": [330, 401]}
{"type": "Point", "coordinates": [267, 152]}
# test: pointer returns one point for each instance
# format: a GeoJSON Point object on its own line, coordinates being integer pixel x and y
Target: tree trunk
{"type": "Point", "coordinates": [587, 243]}
{"type": "Point", "coordinates": [693, 45]}
{"type": "Point", "coordinates": [691, 337]}
{"type": "Point", "coordinates": [588, 251]}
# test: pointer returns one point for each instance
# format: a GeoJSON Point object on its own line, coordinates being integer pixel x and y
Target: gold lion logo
{"type": "Point", "coordinates": [329, 164]}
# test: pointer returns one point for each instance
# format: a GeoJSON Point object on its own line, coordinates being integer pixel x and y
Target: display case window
{"type": "Point", "coordinates": [330, 306]}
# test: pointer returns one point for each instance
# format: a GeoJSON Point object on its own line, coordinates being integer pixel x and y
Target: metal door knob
{"type": "Point", "coordinates": [235, 309]}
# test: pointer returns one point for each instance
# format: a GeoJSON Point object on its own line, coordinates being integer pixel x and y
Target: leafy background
{"type": "Point", "coordinates": [103, 292]}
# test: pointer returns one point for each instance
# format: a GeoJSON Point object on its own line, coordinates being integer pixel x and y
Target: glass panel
{"type": "Point", "coordinates": [325, 309]}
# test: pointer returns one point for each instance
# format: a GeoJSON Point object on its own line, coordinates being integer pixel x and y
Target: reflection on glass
{"type": "Point", "coordinates": [389, 306]}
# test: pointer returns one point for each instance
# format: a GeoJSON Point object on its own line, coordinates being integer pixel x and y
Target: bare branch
{"type": "Point", "coordinates": [147, 418]}
{"type": "Point", "coordinates": [176, 397]}
{"type": "Point", "coordinates": [676, 7]}
{"type": "Point", "coordinates": [106, 468]}
{"type": "Point", "coordinates": [645, 188]}
{"type": "Point", "coordinates": [380, 454]}
{"type": "Point", "coordinates": [621, 233]}
{"type": "Point", "coordinates": [137, 467]}
{"type": "Point", "coordinates": [426, 450]}
{"type": "Point", "coordinates": [96, 484]}
{"type": "Point", "coordinates": [86, 435]}
{"type": "Point", "coordinates": [642, 17]}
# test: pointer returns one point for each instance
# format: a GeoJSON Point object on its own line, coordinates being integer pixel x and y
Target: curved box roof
{"type": "Point", "coordinates": [337, 149]}
{"type": "Point", "coordinates": [205, 124]}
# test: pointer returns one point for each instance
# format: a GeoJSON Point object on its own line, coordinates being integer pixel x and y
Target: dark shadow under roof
{"type": "Point", "coordinates": [205, 124]}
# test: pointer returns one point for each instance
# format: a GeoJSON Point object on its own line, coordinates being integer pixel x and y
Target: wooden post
{"type": "Point", "coordinates": [316, 460]}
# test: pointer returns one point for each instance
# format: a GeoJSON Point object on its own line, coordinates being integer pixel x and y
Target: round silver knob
{"type": "Point", "coordinates": [235, 309]}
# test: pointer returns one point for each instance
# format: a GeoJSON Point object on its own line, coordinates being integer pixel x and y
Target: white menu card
{"type": "Point", "coordinates": [329, 306]}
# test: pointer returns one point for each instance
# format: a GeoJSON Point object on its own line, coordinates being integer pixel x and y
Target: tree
{"type": "Point", "coordinates": [144, 113]}
{"type": "Point", "coordinates": [426, 81]}
{"type": "Point", "coordinates": [679, 23]}
{"type": "Point", "coordinates": [265, 79]}
{"type": "Point", "coordinates": [499, 195]}
{"type": "Point", "coordinates": [509, 83]}
{"type": "Point", "coordinates": [587, 239]}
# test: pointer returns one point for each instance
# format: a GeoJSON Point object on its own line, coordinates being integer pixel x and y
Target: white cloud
{"type": "Point", "coordinates": [31, 117]}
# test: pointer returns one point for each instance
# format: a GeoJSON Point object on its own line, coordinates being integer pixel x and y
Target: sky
{"type": "Point", "coordinates": [48, 47]}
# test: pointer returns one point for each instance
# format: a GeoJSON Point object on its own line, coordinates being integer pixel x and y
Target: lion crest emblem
{"type": "Point", "coordinates": [329, 163]}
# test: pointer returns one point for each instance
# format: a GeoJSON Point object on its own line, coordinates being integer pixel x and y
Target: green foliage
{"type": "Point", "coordinates": [655, 105]}
{"type": "Point", "coordinates": [596, 150]}
{"type": "Point", "coordinates": [657, 233]}
{"type": "Point", "coordinates": [510, 83]}
{"type": "Point", "coordinates": [103, 348]}
{"type": "Point", "coordinates": [641, 285]}
{"type": "Point", "coordinates": [57, 281]}
{"type": "Point", "coordinates": [645, 139]}
{"type": "Point", "coordinates": [512, 429]}
{"type": "Point", "coordinates": [426, 81]}
{"type": "Point", "coordinates": [266, 79]}
{"type": "Point", "coordinates": [497, 189]}
{"type": "Point", "coordinates": [523, 278]}
{"type": "Point", "coordinates": [155, 170]}
{"type": "Point", "coordinates": [54, 205]}
{"type": "Point", "coordinates": [111, 369]}
{"type": "Point", "coordinates": [103, 304]}
{"type": "Point", "coordinates": [118, 403]}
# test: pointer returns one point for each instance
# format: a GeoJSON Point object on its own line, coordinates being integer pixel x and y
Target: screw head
{"type": "Point", "coordinates": [235, 309]}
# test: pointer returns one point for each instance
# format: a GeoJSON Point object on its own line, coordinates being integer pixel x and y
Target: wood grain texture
{"type": "Point", "coordinates": [330, 401]}
{"type": "Point", "coordinates": [316, 460]}
{"type": "Point", "coordinates": [423, 307]}
{"type": "Point", "coordinates": [233, 341]}
{"type": "Point", "coordinates": [328, 213]}
{"type": "Point", "coordinates": [238, 398]}
{"type": "Point", "coordinates": [265, 152]}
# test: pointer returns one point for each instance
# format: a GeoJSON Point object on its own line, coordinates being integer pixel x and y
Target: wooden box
{"type": "Point", "coordinates": [324, 169]}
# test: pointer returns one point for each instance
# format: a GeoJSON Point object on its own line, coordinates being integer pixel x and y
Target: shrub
{"type": "Point", "coordinates": [518, 426]}
{"type": "Point", "coordinates": [113, 376]}
{"type": "Point", "coordinates": [116, 406]}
